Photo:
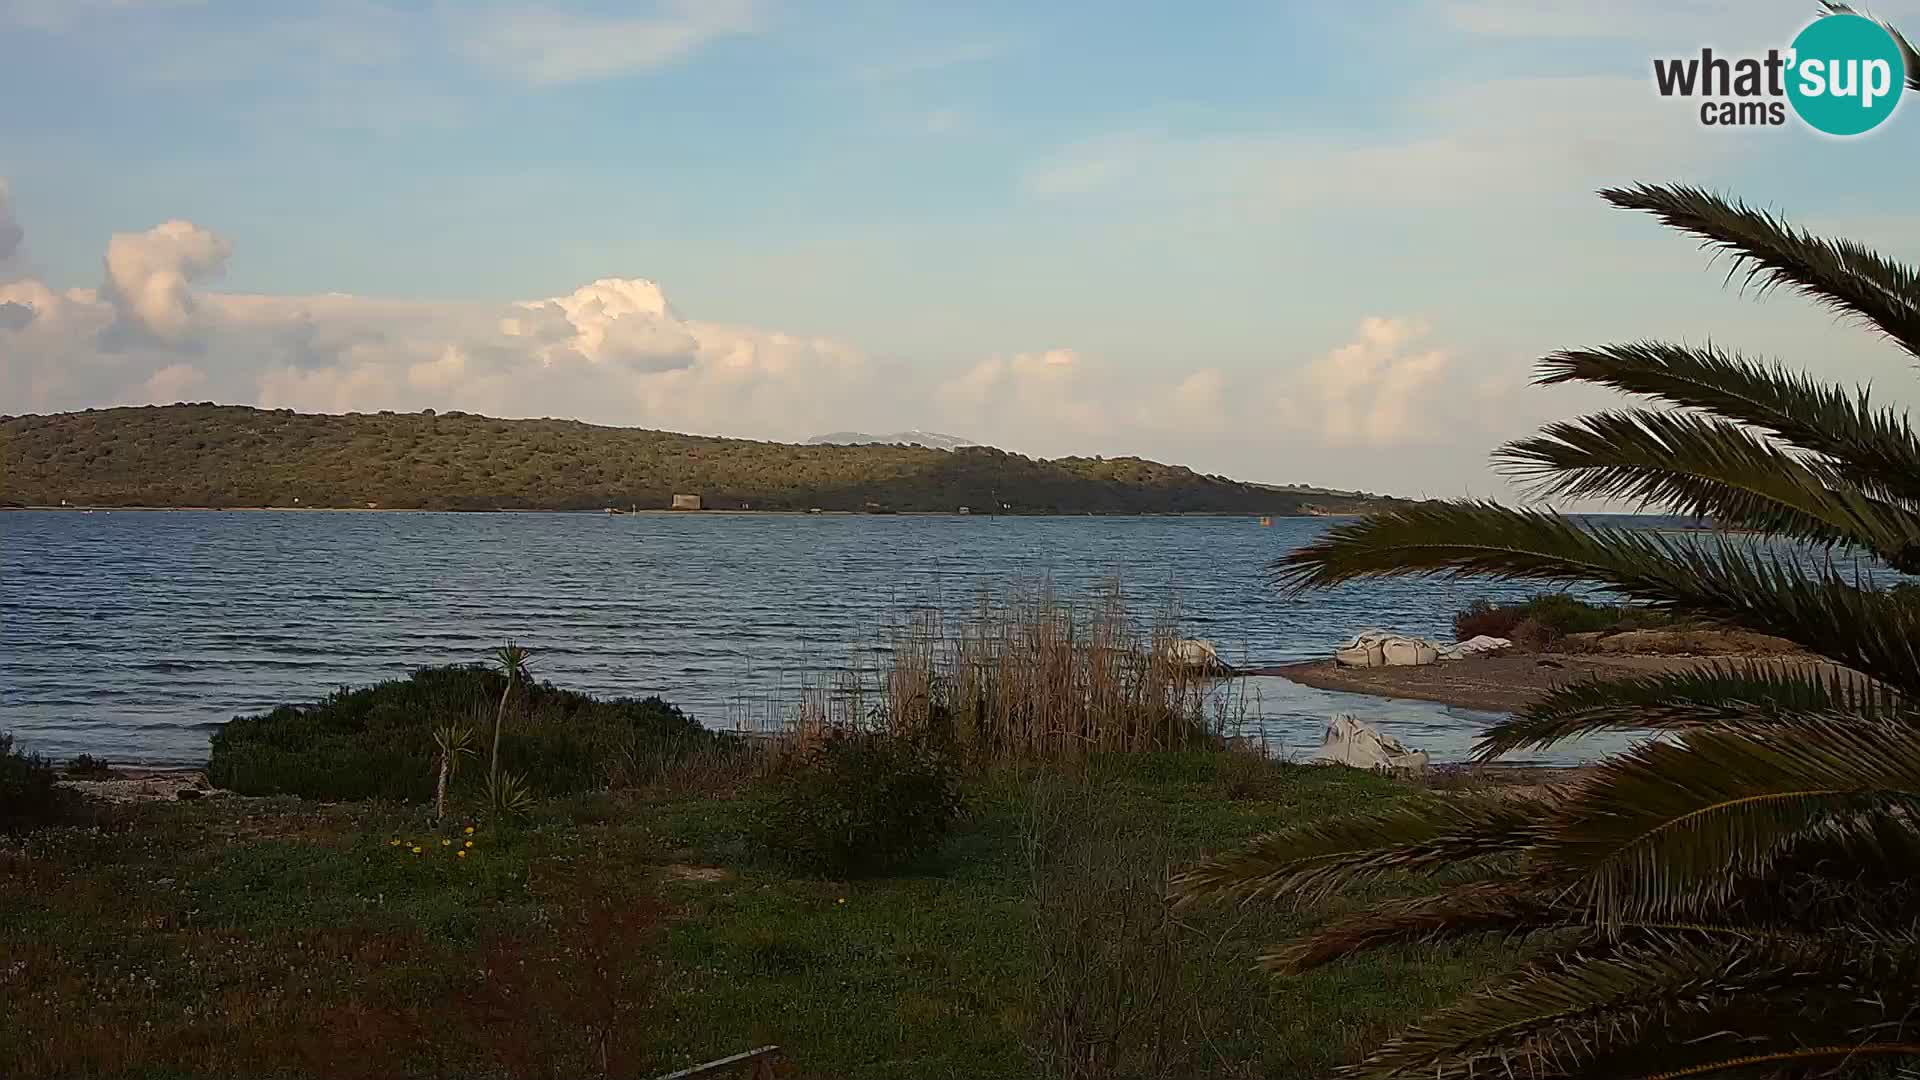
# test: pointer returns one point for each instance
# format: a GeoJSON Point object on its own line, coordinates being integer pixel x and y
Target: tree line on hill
{"type": "Point", "coordinates": [235, 456]}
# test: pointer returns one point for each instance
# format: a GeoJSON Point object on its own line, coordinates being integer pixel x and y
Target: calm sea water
{"type": "Point", "coordinates": [133, 634]}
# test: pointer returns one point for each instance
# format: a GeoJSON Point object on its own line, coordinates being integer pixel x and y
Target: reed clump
{"type": "Point", "coordinates": [1030, 676]}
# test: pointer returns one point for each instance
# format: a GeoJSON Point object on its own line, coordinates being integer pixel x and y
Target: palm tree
{"type": "Point", "coordinates": [1742, 896]}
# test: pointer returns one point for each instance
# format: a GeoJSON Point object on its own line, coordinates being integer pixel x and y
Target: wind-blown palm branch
{"type": "Point", "coordinates": [1839, 274]}
{"type": "Point", "coordinates": [1430, 836]}
{"type": "Point", "coordinates": [1907, 51]}
{"type": "Point", "coordinates": [1881, 454]}
{"type": "Point", "coordinates": [1672, 1009]}
{"type": "Point", "coordinates": [1703, 466]}
{"type": "Point", "coordinates": [1668, 829]}
{"type": "Point", "coordinates": [1753, 693]}
{"type": "Point", "coordinates": [1855, 626]}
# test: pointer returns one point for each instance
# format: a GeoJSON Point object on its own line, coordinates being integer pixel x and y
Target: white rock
{"type": "Point", "coordinates": [1354, 742]}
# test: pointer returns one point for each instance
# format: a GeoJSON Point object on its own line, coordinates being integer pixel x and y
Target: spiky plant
{"type": "Point", "coordinates": [1742, 896]}
{"type": "Point", "coordinates": [512, 660]}
{"type": "Point", "coordinates": [453, 742]}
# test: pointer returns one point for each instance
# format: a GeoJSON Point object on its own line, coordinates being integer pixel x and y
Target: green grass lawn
{"type": "Point", "coordinates": [625, 937]}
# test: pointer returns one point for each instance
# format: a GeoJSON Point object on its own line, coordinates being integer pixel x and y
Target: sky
{"type": "Point", "coordinates": [1288, 242]}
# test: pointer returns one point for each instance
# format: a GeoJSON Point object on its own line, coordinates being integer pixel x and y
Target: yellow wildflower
{"type": "Point", "coordinates": [416, 849]}
{"type": "Point", "coordinates": [469, 843]}
{"type": "Point", "coordinates": [394, 842]}
{"type": "Point", "coordinates": [842, 900]}
{"type": "Point", "coordinates": [446, 843]}
{"type": "Point", "coordinates": [462, 853]}
{"type": "Point", "coordinates": [469, 830]}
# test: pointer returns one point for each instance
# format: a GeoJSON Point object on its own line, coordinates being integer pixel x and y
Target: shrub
{"type": "Point", "coordinates": [377, 742]}
{"type": "Point", "coordinates": [30, 797]}
{"type": "Point", "coordinates": [848, 803]}
{"type": "Point", "coordinates": [88, 767]}
{"type": "Point", "coordinates": [1553, 616]}
{"type": "Point", "coordinates": [1483, 618]}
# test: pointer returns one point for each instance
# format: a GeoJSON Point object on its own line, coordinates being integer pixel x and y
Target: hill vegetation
{"type": "Point", "coordinates": [234, 456]}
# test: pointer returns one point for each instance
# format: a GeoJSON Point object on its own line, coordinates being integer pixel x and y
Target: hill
{"type": "Point", "coordinates": [214, 455]}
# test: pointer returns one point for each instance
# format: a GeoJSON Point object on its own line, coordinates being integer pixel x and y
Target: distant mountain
{"type": "Point", "coordinates": [225, 455]}
{"type": "Point", "coordinates": [932, 440]}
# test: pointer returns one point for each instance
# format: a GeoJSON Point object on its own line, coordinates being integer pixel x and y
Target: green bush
{"type": "Point", "coordinates": [377, 742]}
{"type": "Point", "coordinates": [29, 794]}
{"type": "Point", "coordinates": [1557, 614]}
{"type": "Point", "coordinates": [855, 804]}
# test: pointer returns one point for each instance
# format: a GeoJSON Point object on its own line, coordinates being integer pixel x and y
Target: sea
{"type": "Point", "coordinates": [132, 635]}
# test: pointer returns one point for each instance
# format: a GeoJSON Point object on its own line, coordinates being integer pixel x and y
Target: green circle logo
{"type": "Point", "coordinates": [1847, 74]}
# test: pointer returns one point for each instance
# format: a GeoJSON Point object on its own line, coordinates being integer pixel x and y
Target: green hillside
{"type": "Point", "coordinates": [214, 455]}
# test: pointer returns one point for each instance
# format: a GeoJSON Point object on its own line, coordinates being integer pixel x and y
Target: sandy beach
{"type": "Point", "coordinates": [1501, 683]}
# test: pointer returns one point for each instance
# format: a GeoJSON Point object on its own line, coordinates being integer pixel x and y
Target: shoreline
{"type": "Point", "coordinates": [1509, 682]}
{"type": "Point", "coordinates": [602, 512]}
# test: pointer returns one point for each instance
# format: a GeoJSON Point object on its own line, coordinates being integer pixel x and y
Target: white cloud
{"type": "Point", "coordinates": [616, 351]}
{"type": "Point", "coordinates": [150, 277]}
{"type": "Point", "coordinates": [1378, 388]}
{"type": "Point", "coordinates": [546, 46]}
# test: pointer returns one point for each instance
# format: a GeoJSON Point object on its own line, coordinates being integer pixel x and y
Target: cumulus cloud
{"type": "Point", "coordinates": [150, 277]}
{"type": "Point", "coordinates": [1376, 388]}
{"type": "Point", "coordinates": [616, 351]}
{"type": "Point", "coordinates": [612, 351]}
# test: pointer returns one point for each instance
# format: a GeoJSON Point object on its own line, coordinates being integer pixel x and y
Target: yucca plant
{"type": "Point", "coordinates": [512, 660]}
{"type": "Point", "coordinates": [1741, 896]}
{"type": "Point", "coordinates": [452, 742]}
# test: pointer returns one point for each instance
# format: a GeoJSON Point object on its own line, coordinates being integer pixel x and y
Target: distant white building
{"type": "Point", "coordinates": [686, 502]}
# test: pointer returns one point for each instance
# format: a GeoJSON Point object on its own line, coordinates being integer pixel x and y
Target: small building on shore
{"type": "Point", "coordinates": [686, 502]}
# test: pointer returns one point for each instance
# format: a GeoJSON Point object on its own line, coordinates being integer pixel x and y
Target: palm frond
{"type": "Point", "coordinates": [1907, 51]}
{"type": "Point", "coordinates": [1492, 907]}
{"type": "Point", "coordinates": [1753, 693]}
{"type": "Point", "coordinates": [1879, 448]}
{"type": "Point", "coordinates": [1674, 1007]}
{"type": "Point", "coordinates": [1699, 465]}
{"type": "Point", "coordinates": [1857, 627]}
{"type": "Point", "coordinates": [1421, 836]}
{"type": "Point", "coordinates": [1840, 274]}
{"type": "Point", "coordinates": [1668, 828]}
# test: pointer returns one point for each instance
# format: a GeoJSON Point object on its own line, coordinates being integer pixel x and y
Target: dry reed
{"type": "Point", "coordinates": [1030, 676]}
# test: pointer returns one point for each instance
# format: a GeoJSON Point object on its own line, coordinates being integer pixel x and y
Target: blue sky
{"type": "Point", "coordinates": [1287, 241]}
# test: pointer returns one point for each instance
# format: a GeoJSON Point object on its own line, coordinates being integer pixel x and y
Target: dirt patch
{"type": "Point", "coordinates": [148, 785]}
{"type": "Point", "coordinates": [1502, 683]}
{"type": "Point", "coordinates": [704, 874]}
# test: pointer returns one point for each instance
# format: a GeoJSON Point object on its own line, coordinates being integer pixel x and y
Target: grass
{"type": "Point", "coordinates": [624, 935]}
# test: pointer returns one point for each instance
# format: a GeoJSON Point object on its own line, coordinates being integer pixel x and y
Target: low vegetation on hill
{"type": "Point", "coordinates": [232, 456]}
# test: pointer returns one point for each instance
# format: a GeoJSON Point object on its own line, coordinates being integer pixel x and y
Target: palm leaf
{"type": "Point", "coordinates": [1668, 828]}
{"type": "Point", "coordinates": [1672, 1007]}
{"type": "Point", "coordinates": [1721, 694]}
{"type": "Point", "coordinates": [1857, 627]}
{"type": "Point", "coordinates": [1881, 454]}
{"type": "Point", "coordinates": [1839, 274]}
{"type": "Point", "coordinates": [1704, 466]}
{"type": "Point", "coordinates": [1907, 51]}
{"type": "Point", "coordinates": [1425, 836]}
